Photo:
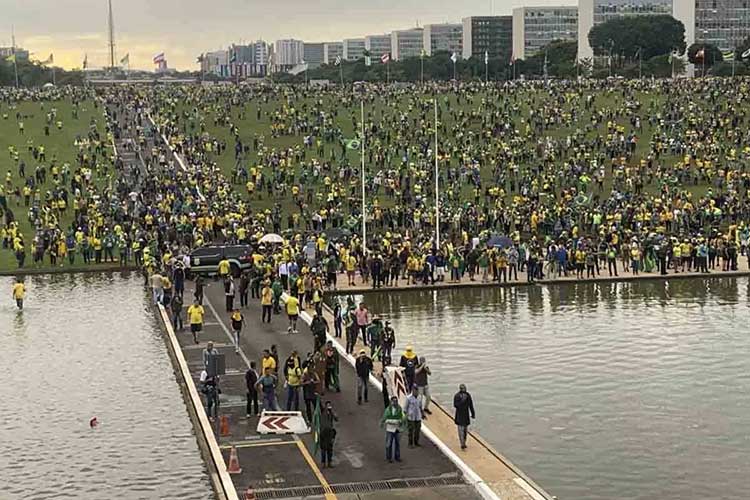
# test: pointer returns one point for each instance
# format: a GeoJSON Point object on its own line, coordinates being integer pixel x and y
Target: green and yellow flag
{"type": "Point", "coordinates": [11, 58]}
{"type": "Point", "coordinates": [316, 425]}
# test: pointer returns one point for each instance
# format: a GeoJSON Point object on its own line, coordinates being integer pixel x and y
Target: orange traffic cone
{"type": "Point", "coordinates": [224, 426]}
{"type": "Point", "coordinates": [249, 495]}
{"type": "Point", "coordinates": [234, 462]}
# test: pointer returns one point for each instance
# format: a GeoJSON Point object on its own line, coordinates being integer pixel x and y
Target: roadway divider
{"type": "Point", "coordinates": [220, 479]}
{"type": "Point", "coordinates": [472, 477]}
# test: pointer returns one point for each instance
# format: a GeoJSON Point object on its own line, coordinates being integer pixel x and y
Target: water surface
{"type": "Point", "coordinates": [88, 345]}
{"type": "Point", "coordinates": [598, 391]}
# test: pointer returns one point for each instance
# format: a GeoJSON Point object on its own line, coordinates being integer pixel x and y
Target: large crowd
{"type": "Point", "coordinates": [536, 179]}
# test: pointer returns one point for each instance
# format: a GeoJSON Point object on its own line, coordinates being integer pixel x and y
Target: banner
{"type": "Point", "coordinates": [396, 384]}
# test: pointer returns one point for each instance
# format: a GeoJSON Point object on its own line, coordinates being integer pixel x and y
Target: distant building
{"type": "Point", "coordinates": [443, 37]}
{"type": "Point", "coordinates": [407, 43]}
{"type": "Point", "coordinates": [354, 49]}
{"type": "Point", "coordinates": [262, 52]}
{"type": "Point", "coordinates": [332, 50]}
{"type": "Point", "coordinates": [378, 45]}
{"type": "Point", "coordinates": [215, 63]}
{"type": "Point", "coordinates": [22, 55]}
{"type": "Point", "coordinates": [287, 54]}
{"type": "Point", "coordinates": [313, 54]}
{"type": "Point", "coordinates": [535, 27]}
{"type": "Point", "coordinates": [595, 12]}
{"type": "Point", "coordinates": [491, 34]}
{"type": "Point", "coordinates": [725, 25]}
{"type": "Point", "coordinates": [249, 60]}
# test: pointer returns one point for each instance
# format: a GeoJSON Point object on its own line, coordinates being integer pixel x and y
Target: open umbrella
{"type": "Point", "coordinates": [500, 242]}
{"type": "Point", "coordinates": [272, 238]}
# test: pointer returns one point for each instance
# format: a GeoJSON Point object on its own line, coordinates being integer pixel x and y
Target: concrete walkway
{"type": "Point", "coordinates": [282, 466]}
{"type": "Point", "coordinates": [743, 269]}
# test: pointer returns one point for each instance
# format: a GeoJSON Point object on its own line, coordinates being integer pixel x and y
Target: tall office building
{"type": "Point", "coordinates": [594, 12]}
{"type": "Point", "coordinates": [723, 23]}
{"type": "Point", "coordinates": [407, 43]}
{"type": "Point", "coordinates": [493, 34]}
{"type": "Point", "coordinates": [378, 45]}
{"type": "Point", "coordinates": [288, 54]}
{"type": "Point", "coordinates": [260, 58]}
{"type": "Point", "coordinates": [535, 27]}
{"type": "Point", "coordinates": [332, 50]}
{"type": "Point", "coordinates": [354, 49]}
{"type": "Point", "coordinates": [216, 63]}
{"type": "Point", "coordinates": [313, 54]}
{"type": "Point", "coordinates": [443, 37]}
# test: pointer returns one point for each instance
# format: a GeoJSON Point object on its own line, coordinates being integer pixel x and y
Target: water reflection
{"type": "Point", "coordinates": [633, 390]}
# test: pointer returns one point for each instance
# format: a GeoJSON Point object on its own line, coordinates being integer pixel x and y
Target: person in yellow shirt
{"type": "Point", "coordinates": [292, 310]}
{"type": "Point", "coordinates": [224, 268]}
{"type": "Point", "coordinates": [266, 301]}
{"type": "Point", "coordinates": [195, 314]}
{"type": "Point", "coordinates": [19, 293]}
{"type": "Point", "coordinates": [351, 266]}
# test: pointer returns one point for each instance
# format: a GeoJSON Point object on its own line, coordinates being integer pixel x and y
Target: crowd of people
{"type": "Point", "coordinates": [536, 181]}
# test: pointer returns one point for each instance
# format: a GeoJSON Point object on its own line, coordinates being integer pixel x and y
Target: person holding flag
{"type": "Point", "coordinates": [324, 429]}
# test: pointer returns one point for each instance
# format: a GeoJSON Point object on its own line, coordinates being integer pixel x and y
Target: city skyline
{"type": "Point", "coordinates": [79, 27]}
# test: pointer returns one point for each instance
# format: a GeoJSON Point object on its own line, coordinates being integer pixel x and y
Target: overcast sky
{"type": "Point", "coordinates": [185, 28]}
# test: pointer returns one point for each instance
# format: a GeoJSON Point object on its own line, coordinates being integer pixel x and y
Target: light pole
{"type": "Point", "coordinates": [609, 57]}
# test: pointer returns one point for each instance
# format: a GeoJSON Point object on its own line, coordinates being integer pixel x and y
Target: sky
{"type": "Point", "coordinates": [183, 29]}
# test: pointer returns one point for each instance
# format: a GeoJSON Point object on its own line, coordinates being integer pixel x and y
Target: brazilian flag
{"type": "Point", "coordinates": [316, 425]}
{"type": "Point", "coordinates": [353, 144]}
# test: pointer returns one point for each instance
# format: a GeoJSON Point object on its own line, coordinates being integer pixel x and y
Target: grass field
{"type": "Point", "coordinates": [515, 107]}
{"type": "Point", "coordinates": [58, 144]}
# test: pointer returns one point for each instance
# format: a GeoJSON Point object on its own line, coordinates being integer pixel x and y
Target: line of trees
{"type": "Point", "coordinates": [34, 74]}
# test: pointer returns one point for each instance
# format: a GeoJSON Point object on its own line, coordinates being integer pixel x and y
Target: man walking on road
{"type": "Point", "coordinates": [293, 374]}
{"type": "Point", "coordinates": [414, 417]}
{"type": "Point", "coordinates": [251, 378]}
{"type": "Point", "coordinates": [393, 421]}
{"type": "Point", "coordinates": [292, 310]}
{"type": "Point", "coordinates": [327, 434]}
{"type": "Point", "coordinates": [266, 302]}
{"type": "Point", "coordinates": [363, 367]}
{"type": "Point", "coordinates": [464, 410]}
{"type": "Point", "coordinates": [421, 379]}
{"type": "Point", "coordinates": [310, 381]}
{"type": "Point", "coordinates": [267, 384]}
{"type": "Point", "coordinates": [195, 314]}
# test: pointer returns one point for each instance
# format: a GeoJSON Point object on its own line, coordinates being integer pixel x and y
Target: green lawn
{"type": "Point", "coordinates": [244, 117]}
{"type": "Point", "coordinates": [59, 144]}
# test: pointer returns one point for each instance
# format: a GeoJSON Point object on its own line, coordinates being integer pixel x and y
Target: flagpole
{"type": "Point", "coordinates": [362, 146]}
{"type": "Point", "coordinates": [421, 70]}
{"type": "Point", "coordinates": [437, 182]}
{"type": "Point", "coordinates": [341, 71]}
{"type": "Point", "coordinates": [388, 70]}
{"type": "Point", "coordinates": [13, 51]}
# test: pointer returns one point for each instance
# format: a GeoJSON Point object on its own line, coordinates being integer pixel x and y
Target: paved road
{"type": "Point", "coordinates": [283, 463]}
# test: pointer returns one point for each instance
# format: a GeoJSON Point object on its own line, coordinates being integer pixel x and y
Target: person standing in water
{"type": "Point", "coordinates": [19, 293]}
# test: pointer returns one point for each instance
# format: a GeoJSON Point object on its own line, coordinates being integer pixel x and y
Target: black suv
{"type": "Point", "coordinates": [205, 260]}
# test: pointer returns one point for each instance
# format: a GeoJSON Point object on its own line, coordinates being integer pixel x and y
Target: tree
{"type": "Point", "coordinates": [626, 36]}
{"type": "Point", "coordinates": [704, 55]}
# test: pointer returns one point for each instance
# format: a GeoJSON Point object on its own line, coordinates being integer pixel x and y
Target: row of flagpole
{"type": "Point", "coordinates": [363, 145]}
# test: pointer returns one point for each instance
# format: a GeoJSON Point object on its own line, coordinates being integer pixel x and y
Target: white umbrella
{"type": "Point", "coordinates": [272, 238]}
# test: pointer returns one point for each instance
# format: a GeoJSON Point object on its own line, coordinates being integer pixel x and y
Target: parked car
{"type": "Point", "coordinates": [205, 260]}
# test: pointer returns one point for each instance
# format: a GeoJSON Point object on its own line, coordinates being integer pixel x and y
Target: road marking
{"type": "Point", "coordinates": [272, 442]}
{"type": "Point", "coordinates": [329, 495]}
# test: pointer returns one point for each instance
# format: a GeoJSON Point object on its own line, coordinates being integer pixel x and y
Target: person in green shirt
{"type": "Point", "coordinates": [277, 289]}
{"type": "Point", "coordinates": [393, 422]}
